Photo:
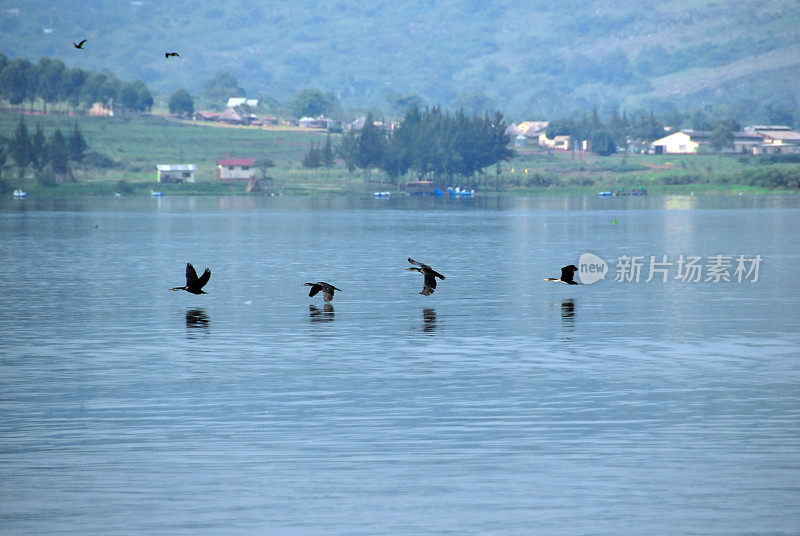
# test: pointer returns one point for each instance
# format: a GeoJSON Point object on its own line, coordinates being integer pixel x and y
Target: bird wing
{"type": "Point", "coordinates": [314, 289]}
{"type": "Point", "coordinates": [434, 272]}
{"type": "Point", "coordinates": [191, 275]}
{"type": "Point", "coordinates": [80, 45]}
{"type": "Point", "coordinates": [567, 274]}
{"type": "Point", "coordinates": [430, 280]}
{"type": "Point", "coordinates": [412, 261]}
{"type": "Point", "coordinates": [203, 279]}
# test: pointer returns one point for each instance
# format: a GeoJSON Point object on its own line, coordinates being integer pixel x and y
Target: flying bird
{"type": "Point", "coordinates": [326, 288]}
{"type": "Point", "coordinates": [567, 275]}
{"type": "Point", "coordinates": [430, 276]}
{"type": "Point", "coordinates": [195, 284]}
{"type": "Point", "coordinates": [168, 54]}
{"type": "Point", "coordinates": [79, 45]}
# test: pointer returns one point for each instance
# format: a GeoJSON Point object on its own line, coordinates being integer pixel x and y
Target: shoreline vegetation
{"type": "Point", "coordinates": [123, 152]}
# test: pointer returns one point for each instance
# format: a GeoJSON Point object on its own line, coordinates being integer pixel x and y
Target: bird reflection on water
{"type": "Point", "coordinates": [429, 320]}
{"type": "Point", "coordinates": [320, 315]}
{"type": "Point", "coordinates": [197, 321]}
{"type": "Point", "coordinates": [568, 314]}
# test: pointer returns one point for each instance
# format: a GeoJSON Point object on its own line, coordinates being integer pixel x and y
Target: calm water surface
{"type": "Point", "coordinates": [500, 405]}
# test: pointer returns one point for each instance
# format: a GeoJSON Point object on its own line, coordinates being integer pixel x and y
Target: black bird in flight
{"type": "Point", "coordinates": [430, 276]}
{"type": "Point", "coordinates": [79, 45]}
{"type": "Point", "coordinates": [195, 284]}
{"type": "Point", "coordinates": [168, 54]}
{"type": "Point", "coordinates": [326, 288]}
{"type": "Point", "coordinates": [567, 275]}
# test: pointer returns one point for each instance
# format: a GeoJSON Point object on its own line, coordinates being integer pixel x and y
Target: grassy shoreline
{"type": "Point", "coordinates": [131, 146]}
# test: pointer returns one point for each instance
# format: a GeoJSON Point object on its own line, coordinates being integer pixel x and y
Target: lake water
{"type": "Point", "coordinates": [501, 405]}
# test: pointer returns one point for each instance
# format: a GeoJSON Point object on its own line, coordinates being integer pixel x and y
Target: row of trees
{"type": "Point", "coordinates": [52, 83]}
{"type": "Point", "coordinates": [50, 158]}
{"type": "Point", "coordinates": [641, 128]}
{"type": "Point", "coordinates": [430, 143]}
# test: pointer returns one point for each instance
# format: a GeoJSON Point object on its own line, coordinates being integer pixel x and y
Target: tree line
{"type": "Point", "coordinates": [50, 82]}
{"type": "Point", "coordinates": [642, 128]}
{"type": "Point", "coordinates": [431, 144]}
{"type": "Point", "coordinates": [51, 158]}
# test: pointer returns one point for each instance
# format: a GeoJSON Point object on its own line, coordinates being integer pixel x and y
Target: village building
{"type": "Point", "coordinates": [206, 116]}
{"type": "Point", "coordinates": [98, 109]}
{"type": "Point", "coordinates": [176, 173]}
{"type": "Point", "coordinates": [237, 169]}
{"type": "Point", "coordinates": [775, 139]}
{"type": "Point", "coordinates": [233, 102]}
{"type": "Point", "coordinates": [232, 117]}
{"type": "Point", "coordinates": [560, 143]}
{"type": "Point", "coordinates": [314, 122]}
{"type": "Point", "coordinates": [676, 143]}
{"type": "Point", "coordinates": [529, 129]}
{"type": "Point", "coordinates": [745, 142]}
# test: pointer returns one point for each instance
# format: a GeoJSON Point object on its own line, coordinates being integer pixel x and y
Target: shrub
{"type": "Point", "coordinates": [125, 187]}
{"type": "Point", "coordinates": [46, 177]}
{"type": "Point", "coordinates": [99, 160]}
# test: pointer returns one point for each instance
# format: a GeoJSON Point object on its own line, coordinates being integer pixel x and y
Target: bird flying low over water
{"type": "Point", "coordinates": [567, 275]}
{"type": "Point", "coordinates": [195, 284]}
{"type": "Point", "coordinates": [170, 54]}
{"type": "Point", "coordinates": [79, 45]}
{"type": "Point", "coordinates": [326, 288]}
{"type": "Point", "coordinates": [430, 276]}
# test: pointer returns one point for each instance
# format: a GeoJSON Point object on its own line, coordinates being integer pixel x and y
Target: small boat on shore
{"type": "Point", "coordinates": [458, 192]}
{"type": "Point", "coordinates": [155, 194]}
{"type": "Point", "coordinates": [19, 194]}
{"type": "Point", "coordinates": [382, 195]}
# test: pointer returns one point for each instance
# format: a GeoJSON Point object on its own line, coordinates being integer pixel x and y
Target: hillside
{"type": "Point", "coordinates": [534, 58]}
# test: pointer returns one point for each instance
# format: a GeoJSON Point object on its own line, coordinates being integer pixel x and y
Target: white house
{"type": "Point", "coordinates": [176, 172]}
{"type": "Point", "coordinates": [676, 143]}
{"type": "Point", "coordinates": [233, 102]}
{"type": "Point", "coordinates": [236, 169]}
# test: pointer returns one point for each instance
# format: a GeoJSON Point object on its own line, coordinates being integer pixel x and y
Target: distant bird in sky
{"type": "Point", "coordinates": [567, 275]}
{"type": "Point", "coordinates": [326, 288]}
{"type": "Point", "coordinates": [79, 45]}
{"type": "Point", "coordinates": [194, 284]}
{"type": "Point", "coordinates": [430, 276]}
{"type": "Point", "coordinates": [169, 54]}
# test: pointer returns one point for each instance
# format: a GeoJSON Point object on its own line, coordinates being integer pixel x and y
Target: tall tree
{"type": "Point", "coordinates": [50, 80]}
{"type": "Point", "coordinates": [58, 157]}
{"type": "Point", "coordinates": [181, 103]}
{"type": "Point", "coordinates": [312, 103]}
{"type": "Point", "coordinates": [327, 153]}
{"type": "Point", "coordinates": [18, 81]}
{"type": "Point", "coordinates": [312, 159]}
{"type": "Point", "coordinates": [371, 144]}
{"type": "Point", "coordinates": [76, 144]}
{"type": "Point", "coordinates": [134, 96]}
{"type": "Point", "coordinates": [38, 148]}
{"type": "Point", "coordinates": [20, 148]}
{"type": "Point", "coordinates": [348, 150]}
{"type": "Point", "coordinates": [221, 86]}
{"type": "Point", "coordinates": [721, 137]}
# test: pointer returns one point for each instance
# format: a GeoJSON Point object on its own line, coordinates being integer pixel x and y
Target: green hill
{"type": "Point", "coordinates": [534, 59]}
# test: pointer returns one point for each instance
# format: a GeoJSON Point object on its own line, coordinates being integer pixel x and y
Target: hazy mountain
{"type": "Point", "coordinates": [532, 57]}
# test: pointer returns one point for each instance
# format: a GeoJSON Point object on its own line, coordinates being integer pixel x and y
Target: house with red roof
{"type": "Point", "coordinates": [236, 169]}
